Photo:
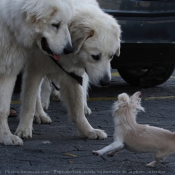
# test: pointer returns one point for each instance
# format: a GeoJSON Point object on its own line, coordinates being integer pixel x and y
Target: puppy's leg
{"type": "Point", "coordinates": [6, 89]}
{"type": "Point", "coordinates": [55, 93]}
{"type": "Point", "coordinates": [113, 147]}
{"type": "Point", "coordinates": [40, 115]}
{"type": "Point", "coordinates": [159, 157]}
{"type": "Point", "coordinates": [87, 110]}
{"type": "Point", "coordinates": [72, 95]}
{"type": "Point", "coordinates": [45, 92]}
{"type": "Point", "coordinates": [114, 152]}
{"type": "Point", "coordinates": [48, 92]}
{"type": "Point", "coordinates": [31, 82]}
{"type": "Point", "coordinates": [153, 164]}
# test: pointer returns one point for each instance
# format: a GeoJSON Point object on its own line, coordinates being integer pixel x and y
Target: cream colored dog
{"type": "Point", "coordinates": [136, 137]}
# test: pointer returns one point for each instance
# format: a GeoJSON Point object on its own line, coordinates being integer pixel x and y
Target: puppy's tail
{"type": "Point", "coordinates": [123, 101]}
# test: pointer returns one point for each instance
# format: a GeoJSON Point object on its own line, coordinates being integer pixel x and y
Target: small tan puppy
{"type": "Point", "coordinates": [136, 137]}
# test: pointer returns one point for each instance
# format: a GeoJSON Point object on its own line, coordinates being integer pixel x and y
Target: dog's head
{"type": "Point", "coordinates": [49, 20]}
{"type": "Point", "coordinates": [128, 104]}
{"type": "Point", "coordinates": [96, 39]}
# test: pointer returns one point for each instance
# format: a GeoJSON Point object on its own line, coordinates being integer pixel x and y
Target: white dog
{"type": "Point", "coordinates": [96, 39]}
{"type": "Point", "coordinates": [137, 137]}
{"type": "Point", "coordinates": [50, 90]}
{"type": "Point", "coordinates": [28, 29]}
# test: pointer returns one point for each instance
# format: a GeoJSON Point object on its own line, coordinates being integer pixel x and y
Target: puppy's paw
{"type": "Point", "coordinates": [42, 119]}
{"type": "Point", "coordinates": [24, 132]}
{"type": "Point", "coordinates": [7, 138]}
{"type": "Point", "coordinates": [87, 110]}
{"type": "Point", "coordinates": [45, 105]}
{"type": "Point", "coordinates": [55, 96]}
{"type": "Point", "coordinates": [13, 140]}
{"type": "Point", "coordinates": [110, 155]}
{"type": "Point", "coordinates": [151, 164]}
{"type": "Point", "coordinates": [97, 134]}
{"type": "Point", "coordinates": [95, 153]}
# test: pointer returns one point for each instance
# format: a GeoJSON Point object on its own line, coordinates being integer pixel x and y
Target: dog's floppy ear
{"type": "Point", "coordinates": [79, 34]}
{"type": "Point", "coordinates": [118, 38]}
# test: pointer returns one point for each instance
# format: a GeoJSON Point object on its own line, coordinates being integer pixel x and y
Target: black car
{"type": "Point", "coordinates": [148, 40]}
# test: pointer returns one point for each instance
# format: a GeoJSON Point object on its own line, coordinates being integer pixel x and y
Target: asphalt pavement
{"type": "Point", "coordinates": [59, 149]}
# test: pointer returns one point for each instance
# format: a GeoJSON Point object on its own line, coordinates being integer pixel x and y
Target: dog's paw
{"type": "Point", "coordinates": [55, 96]}
{"type": "Point", "coordinates": [13, 140]}
{"type": "Point", "coordinates": [95, 153]}
{"type": "Point", "coordinates": [110, 155]}
{"type": "Point", "coordinates": [87, 110]}
{"type": "Point", "coordinates": [45, 119]}
{"type": "Point", "coordinates": [24, 131]}
{"type": "Point", "coordinates": [97, 134]}
{"type": "Point", "coordinates": [45, 106]}
{"type": "Point", "coordinates": [151, 164]}
{"type": "Point", "coordinates": [10, 139]}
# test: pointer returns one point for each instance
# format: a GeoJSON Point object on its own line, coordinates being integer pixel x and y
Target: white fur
{"type": "Point", "coordinates": [48, 91]}
{"type": "Point", "coordinates": [23, 24]}
{"type": "Point", "coordinates": [137, 137]}
{"type": "Point", "coordinates": [93, 32]}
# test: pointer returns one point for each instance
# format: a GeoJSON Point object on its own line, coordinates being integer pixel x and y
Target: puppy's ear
{"type": "Point", "coordinates": [33, 19]}
{"type": "Point", "coordinates": [136, 95]}
{"type": "Point", "coordinates": [79, 34]}
{"type": "Point", "coordinates": [115, 106]}
{"type": "Point", "coordinates": [117, 32]}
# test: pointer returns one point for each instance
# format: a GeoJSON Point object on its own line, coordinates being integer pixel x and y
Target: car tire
{"type": "Point", "coordinates": [147, 77]}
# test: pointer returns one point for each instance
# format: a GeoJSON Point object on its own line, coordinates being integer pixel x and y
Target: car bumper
{"type": "Point", "coordinates": [147, 38]}
{"type": "Point", "coordinates": [144, 54]}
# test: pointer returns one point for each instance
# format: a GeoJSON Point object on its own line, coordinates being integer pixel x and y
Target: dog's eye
{"type": "Point", "coordinates": [96, 57]}
{"type": "Point", "coordinates": [57, 26]}
{"type": "Point", "coordinates": [111, 57]}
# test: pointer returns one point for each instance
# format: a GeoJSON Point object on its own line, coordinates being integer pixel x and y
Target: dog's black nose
{"type": "Point", "coordinates": [105, 81]}
{"type": "Point", "coordinates": [68, 49]}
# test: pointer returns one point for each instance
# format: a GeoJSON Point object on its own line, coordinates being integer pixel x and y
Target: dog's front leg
{"type": "Point", "coordinates": [72, 95]}
{"type": "Point", "coordinates": [6, 89]}
{"type": "Point", "coordinates": [40, 115]}
{"type": "Point", "coordinates": [115, 151]}
{"type": "Point", "coordinates": [112, 148]}
{"type": "Point", "coordinates": [31, 82]}
{"type": "Point", "coordinates": [87, 110]}
{"type": "Point", "coordinates": [45, 92]}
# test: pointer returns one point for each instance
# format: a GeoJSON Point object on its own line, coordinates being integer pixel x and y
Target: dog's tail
{"type": "Point", "coordinates": [123, 101]}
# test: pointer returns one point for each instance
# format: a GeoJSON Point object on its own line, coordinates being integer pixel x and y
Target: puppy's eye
{"type": "Point", "coordinates": [57, 26]}
{"type": "Point", "coordinates": [96, 57]}
{"type": "Point", "coordinates": [111, 57]}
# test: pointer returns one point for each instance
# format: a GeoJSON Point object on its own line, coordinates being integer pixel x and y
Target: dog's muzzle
{"type": "Point", "coordinates": [45, 46]}
{"type": "Point", "coordinates": [106, 80]}
{"type": "Point", "coordinates": [68, 48]}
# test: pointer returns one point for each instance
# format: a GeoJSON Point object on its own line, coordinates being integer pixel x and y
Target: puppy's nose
{"type": "Point", "coordinates": [105, 81]}
{"type": "Point", "coordinates": [68, 49]}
